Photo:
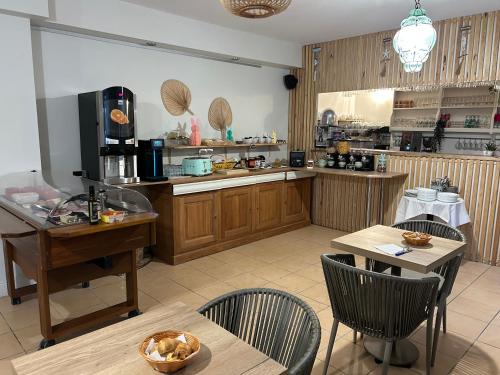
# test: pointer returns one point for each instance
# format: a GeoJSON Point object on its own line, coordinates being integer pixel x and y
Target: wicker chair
{"type": "Point", "coordinates": [447, 271]}
{"type": "Point", "coordinates": [276, 323]}
{"type": "Point", "coordinates": [378, 305]}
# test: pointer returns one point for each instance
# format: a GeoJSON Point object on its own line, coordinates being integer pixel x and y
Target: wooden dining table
{"type": "Point", "coordinates": [422, 259]}
{"type": "Point", "coordinates": [115, 349]}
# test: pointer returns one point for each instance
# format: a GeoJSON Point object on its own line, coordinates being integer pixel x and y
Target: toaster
{"type": "Point", "coordinates": [197, 166]}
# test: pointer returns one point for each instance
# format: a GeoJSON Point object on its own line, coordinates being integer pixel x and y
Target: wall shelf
{"type": "Point", "coordinates": [417, 108]}
{"type": "Point", "coordinates": [251, 146]}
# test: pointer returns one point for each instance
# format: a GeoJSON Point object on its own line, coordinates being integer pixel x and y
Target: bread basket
{"type": "Point", "coordinates": [416, 238]}
{"type": "Point", "coordinates": [223, 165]}
{"type": "Point", "coordinates": [175, 365]}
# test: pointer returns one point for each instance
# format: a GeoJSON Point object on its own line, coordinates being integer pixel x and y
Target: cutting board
{"type": "Point", "coordinates": [232, 172]}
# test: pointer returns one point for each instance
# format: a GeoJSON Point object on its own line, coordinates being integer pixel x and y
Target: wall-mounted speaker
{"type": "Point", "coordinates": [290, 81]}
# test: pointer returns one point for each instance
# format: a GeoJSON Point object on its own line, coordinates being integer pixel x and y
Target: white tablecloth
{"type": "Point", "coordinates": [454, 214]}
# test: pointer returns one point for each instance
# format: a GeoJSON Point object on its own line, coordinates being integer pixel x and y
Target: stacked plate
{"type": "Point", "coordinates": [427, 195]}
{"type": "Point", "coordinates": [411, 193]}
{"type": "Point", "coordinates": [447, 197]}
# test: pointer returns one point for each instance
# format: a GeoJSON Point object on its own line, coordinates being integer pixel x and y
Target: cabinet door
{"type": "Point", "coordinates": [296, 200]}
{"type": "Point", "coordinates": [196, 220]}
{"type": "Point", "coordinates": [236, 211]}
{"type": "Point", "coordinates": [267, 213]}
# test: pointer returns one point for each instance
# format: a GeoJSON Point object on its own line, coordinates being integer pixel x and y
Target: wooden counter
{"type": "Point", "coordinates": [353, 200]}
{"type": "Point", "coordinates": [212, 177]}
{"type": "Point", "coordinates": [59, 257]}
{"type": "Point", "coordinates": [348, 173]}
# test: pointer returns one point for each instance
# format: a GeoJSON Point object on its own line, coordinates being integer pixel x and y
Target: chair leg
{"type": "Point", "coordinates": [430, 350]}
{"type": "Point", "coordinates": [335, 326]}
{"type": "Point", "coordinates": [387, 357]}
{"type": "Point", "coordinates": [354, 336]}
{"type": "Point", "coordinates": [437, 329]}
{"type": "Point", "coordinates": [444, 318]}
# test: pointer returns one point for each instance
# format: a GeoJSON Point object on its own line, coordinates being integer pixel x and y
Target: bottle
{"type": "Point", "coordinates": [93, 210]}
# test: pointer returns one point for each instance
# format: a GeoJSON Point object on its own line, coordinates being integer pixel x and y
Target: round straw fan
{"type": "Point", "coordinates": [220, 115]}
{"type": "Point", "coordinates": [176, 97]}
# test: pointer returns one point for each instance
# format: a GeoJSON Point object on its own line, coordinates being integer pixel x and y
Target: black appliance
{"type": "Point", "coordinates": [297, 159]}
{"type": "Point", "coordinates": [107, 135]}
{"type": "Point", "coordinates": [411, 141]}
{"type": "Point", "coordinates": [150, 160]}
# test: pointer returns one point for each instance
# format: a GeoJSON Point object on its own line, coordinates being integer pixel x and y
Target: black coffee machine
{"type": "Point", "coordinates": [107, 135]}
{"type": "Point", "coordinates": [150, 160]}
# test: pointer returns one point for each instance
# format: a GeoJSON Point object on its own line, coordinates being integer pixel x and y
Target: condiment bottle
{"type": "Point", "coordinates": [93, 209]}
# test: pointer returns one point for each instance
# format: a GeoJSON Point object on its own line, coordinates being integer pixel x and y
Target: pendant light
{"type": "Point", "coordinates": [255, 8]}
{"type": "Point", "coordinates": [415, 40]}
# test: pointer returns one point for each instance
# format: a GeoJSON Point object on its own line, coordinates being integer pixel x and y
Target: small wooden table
{"type": "Point", "coordinates": [115, 349]}
{"type": "Point", "coordinates": [421, 259]}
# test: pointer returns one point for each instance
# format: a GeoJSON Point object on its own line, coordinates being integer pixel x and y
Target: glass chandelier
{"type": "Point", "coordinates": [255, 8]}
{"type": "Point", "coordinates": [415, 40]}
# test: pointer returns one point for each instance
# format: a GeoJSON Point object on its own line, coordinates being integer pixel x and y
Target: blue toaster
{"type": "Point", "coordinates": [197, 166]}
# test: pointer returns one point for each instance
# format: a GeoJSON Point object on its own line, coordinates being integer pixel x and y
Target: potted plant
{"type": "Point", "coordinates": [490, 148]}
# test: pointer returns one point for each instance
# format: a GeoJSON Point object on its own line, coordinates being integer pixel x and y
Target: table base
{"type": "Point", "coordinates": [404, 352]}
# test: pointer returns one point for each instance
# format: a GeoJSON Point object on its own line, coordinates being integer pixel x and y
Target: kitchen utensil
{"type": "Point", "coordinates": [220, 115]}
{"type": "Point", "coordinates": [173, 365]}
{"type": "Point", "coordinates": [447, 197]}
{"type": "Point", "coordinates": [322, 163]}
{"type": "Point", "coordinates": [197, 166]}
{"type": "Point", "coordinates": [427, 195]}
{"type": "Point", "coordinates": [411, 193]}
{"type": "Point", "coordinates": [176, 97]}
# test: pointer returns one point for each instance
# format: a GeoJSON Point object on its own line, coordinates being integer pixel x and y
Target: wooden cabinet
{"type": "Point", "coordinates": [196, 220]}
{"type": "Point", "coordinates": [236, 212]}
{"type": "Point", "coordinates": [296, 200]}
{"type": "Point", "coordinates": [267, 205]}
{"type": "Point", "coordinates": [199, 224]}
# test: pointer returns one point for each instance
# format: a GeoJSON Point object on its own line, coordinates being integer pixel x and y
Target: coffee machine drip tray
{"type": "Point", "coordinates": [121, 180]}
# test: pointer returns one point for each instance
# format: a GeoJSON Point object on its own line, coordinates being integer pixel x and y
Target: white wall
{"type": "Point", "coordinates": [37, 8]}
{"type": "Point", "coordinates": [66, 65]}
{"type": "Point", "coordinates": [116, 18]}
{"type": "Point", "coordinates": [19, 145]}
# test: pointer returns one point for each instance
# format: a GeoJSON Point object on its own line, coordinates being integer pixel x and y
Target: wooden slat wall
{"type": "Point", "coordinates": [356, 64]}
{"type": "Point", "coordinates": [479, 186]}
{"type": "Point", "coordinates": [340, 202]}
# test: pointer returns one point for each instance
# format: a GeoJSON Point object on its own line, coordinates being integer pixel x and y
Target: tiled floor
{"type": "Point", "coordinates": [289, 262]}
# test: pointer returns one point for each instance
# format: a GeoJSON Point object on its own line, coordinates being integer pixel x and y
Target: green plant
{"type": "Point", "coordinates": [491, 146]}
{"type": "Point", "coordinates": [438, 135]}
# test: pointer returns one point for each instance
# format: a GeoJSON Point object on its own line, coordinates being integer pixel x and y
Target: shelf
{"type": "Point", "coordinates": [416, 108]}
{"type": "Point", "coordinates": [447, 130]}
{"type": "Point", "coordinates": [260, 145]}
{"type": "Point", "coordinates": [411, 129]}
{"type": "Point", "coordinates": [468, 107]}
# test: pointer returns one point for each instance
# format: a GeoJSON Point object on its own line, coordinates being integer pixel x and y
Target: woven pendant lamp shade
{"type": "Point", "coordinates": [255, 8]}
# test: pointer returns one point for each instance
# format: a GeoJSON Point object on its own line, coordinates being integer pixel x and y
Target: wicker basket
{"type": "Point", "coordinates": [423, 239]}
{"type": "Point", "coordinates": [170, 366]}
{"type": "Point", "coordinates": [223, 165]}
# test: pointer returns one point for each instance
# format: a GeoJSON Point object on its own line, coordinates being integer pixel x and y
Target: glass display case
{"type": "Point", "coordinates": [48, 199]}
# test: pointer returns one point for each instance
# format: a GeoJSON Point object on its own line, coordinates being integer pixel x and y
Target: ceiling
{"type": "Point", "coordinates": [313, 21]}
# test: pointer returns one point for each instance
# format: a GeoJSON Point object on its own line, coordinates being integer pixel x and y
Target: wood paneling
{"type": "Point", "coordinates": [479, 185]}
{"type": "Point", "coordinates": [296, 200]}
{"type": "Point", "coordinates": [357, 63]}
{"type": "Point", "coordinates": [341, 202]}
{"type": "Point", "coordinates": [236, 211]}
{"type": "Point", "coordinates": [196, 220]}
{"type": "Point", "coordinates": [268, 205]}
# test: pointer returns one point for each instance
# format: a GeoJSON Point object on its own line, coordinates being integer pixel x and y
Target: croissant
{"type": "Point", "coordinates": [182, 351]}
{"type": "Point", "coordinates": [167, 345]}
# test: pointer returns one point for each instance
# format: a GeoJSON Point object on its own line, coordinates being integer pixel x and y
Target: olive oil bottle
{"type": "Point", "coordinates": [93, 207]}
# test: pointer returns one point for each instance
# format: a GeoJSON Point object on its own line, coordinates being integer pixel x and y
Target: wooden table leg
{"type": "Point", "coordinates": [44, 309]}
{"type": "Point", "coordinates": [9, 272]}
{"type": "Point", "coordinates": [131, 284]}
